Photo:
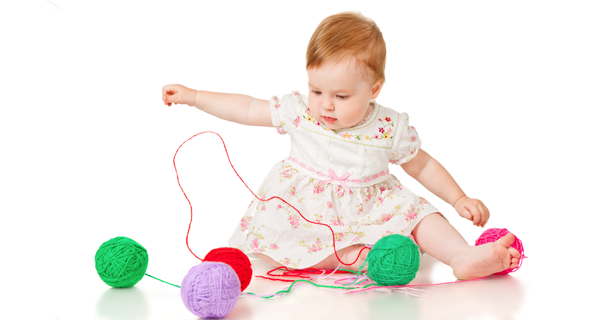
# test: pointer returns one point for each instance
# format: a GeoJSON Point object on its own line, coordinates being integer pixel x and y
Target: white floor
{"type": "Point", "coordinates": [515, 296]}
{"type": "Point", "coordinates": [55, 291]}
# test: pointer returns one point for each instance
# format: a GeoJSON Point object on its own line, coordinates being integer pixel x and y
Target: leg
{"type": "Point", "coordinates": [440, 240]}
{"type": "Point", "coordinates": [331, 262]}
{"type": "Point", "coordinates": [347, 255]}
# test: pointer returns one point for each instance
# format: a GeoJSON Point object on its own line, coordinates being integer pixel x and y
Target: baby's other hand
{"type": "Point", "coordinates": [176, 93]}
{"type": "Point", "coordinates": [472, 209]}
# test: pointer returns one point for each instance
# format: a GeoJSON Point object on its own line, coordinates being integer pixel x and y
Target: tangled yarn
{"type": "Point", "coordinates": [121, 262]}
{"type": "Point", "coordinates": [493, 234]}
{"type": "Point", "coordinates": [393, 260]}
{"type": "Point", "coordinates": [210, 289]}
{"type": "Point", "coordinates": [236, 259]}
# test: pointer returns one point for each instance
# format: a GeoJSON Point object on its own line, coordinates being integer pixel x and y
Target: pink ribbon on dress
{"type": "Point", "coordinates": [333, 177]}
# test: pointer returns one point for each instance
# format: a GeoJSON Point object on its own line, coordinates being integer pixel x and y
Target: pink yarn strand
{"type": "Point", "coordinates": [414, 285]}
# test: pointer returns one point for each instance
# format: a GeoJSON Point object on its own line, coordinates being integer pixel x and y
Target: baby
{"type": "Point", "coordinates": [337, 172]}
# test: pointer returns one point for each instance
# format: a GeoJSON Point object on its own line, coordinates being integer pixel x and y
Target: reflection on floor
{"type": "Point", "coordinates": [495, 297]}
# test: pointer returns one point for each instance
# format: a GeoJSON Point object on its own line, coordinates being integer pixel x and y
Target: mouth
{"type": "Point", "coordinates": [329, 120]}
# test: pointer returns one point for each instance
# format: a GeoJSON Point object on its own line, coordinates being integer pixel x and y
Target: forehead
{"type": "Point", "coordinates": [344, 75]}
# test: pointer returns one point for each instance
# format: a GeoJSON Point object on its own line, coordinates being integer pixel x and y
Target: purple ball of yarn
{"type": "Point", "coordinates": [210, 289]}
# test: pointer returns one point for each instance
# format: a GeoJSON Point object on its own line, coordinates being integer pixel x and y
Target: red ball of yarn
{"type": "Point", "coordinates": [493, 234]}
{"type": "Point", "coordinates": [236, 259]}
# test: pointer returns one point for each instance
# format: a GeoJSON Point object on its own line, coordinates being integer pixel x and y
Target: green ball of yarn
{"type": "Point", "coordinates": [121, 262]}
{"type": "Point", "coordinates": [393, 260]}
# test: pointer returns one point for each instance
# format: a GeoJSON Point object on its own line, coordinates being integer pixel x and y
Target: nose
{"type": "Point", "coordinates": [327, 104]}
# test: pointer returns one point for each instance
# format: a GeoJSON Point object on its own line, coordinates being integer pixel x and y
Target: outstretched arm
{"type": "Point", "coordinates": [233, 107]}
{"type": "Point", "coordinates": [433, 176]}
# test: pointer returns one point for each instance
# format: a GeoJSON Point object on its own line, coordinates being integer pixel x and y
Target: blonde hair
{"type": "Point", "coordinates": [349, 34]}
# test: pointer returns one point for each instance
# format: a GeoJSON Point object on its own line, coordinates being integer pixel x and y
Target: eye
{"type": "Point", "coordinates": [319, 92]}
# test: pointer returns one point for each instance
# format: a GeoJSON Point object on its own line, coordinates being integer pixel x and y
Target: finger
{"type": "Point", "coordinates": [486, 213]}
{"type": "Point", "coordinates": [166, 90]}
{"type": "Point", "coordinates": [476, 215]}
{"type": "Point", "coordinates": [483, 216]}
{"type": "Point", "coordinates": [466, 214]}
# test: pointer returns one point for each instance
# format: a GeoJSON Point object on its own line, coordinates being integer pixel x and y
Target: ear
{"type": "Point", "coordinates": [376, 89]}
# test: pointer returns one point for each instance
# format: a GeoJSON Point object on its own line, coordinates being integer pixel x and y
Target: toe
{"type": "Point", "coordinates": [507, 240]}
{"type": "Point", "coordinates": [514, 263]}
{"type": "Point", "coordinates": [513, 252]}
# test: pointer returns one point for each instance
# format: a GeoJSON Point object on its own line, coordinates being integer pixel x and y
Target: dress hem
{"type": "Point", "coordinates": [330, 251]}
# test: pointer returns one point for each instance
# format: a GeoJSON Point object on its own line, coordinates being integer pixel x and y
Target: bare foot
{"type": "Point", "coordinates": [480, 261]}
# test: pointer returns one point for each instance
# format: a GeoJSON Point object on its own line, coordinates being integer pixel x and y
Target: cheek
{"type": "Point", "coordinates": [313, 106]}
{"type": "Point", "coordinates": [354, 115]}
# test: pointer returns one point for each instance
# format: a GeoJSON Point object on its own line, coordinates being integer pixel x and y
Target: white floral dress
{"type": "Point", "coordinates": [336, 177]}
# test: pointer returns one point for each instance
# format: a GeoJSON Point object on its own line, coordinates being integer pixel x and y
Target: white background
{"type": "Point", "coordinates": [504, 94]}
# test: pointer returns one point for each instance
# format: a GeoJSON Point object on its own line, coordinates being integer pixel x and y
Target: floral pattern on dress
{"type": "Point", "coordinates": [318, 218]}
{"type": "Point", "coordinates": [363, 212]}
{"type": "Point", "coordinates": [411, 214]}
{"type": "Point", "coordinates": [355, 233]}
{"type": "Point", "coordinates": [396, 157]}
{"type": "Point", "coordinates": [244, 223]}
{"type": "Point", "coordinates": [410, 147]}
{"type": "Point", "coordinates": [314, 247]}
{"type": "Point", "coordinates": [280, 129]}
{"type": "Point", "coordinates": [360, 208]}
{"type": "Point", "coordinates": [286, 172]}
{"type": "Point", "coordinates": [387, 233]}
{"type": "Point", "coordinates": [261, 205]}
{"type": "Point", "coordinates": [256, 236]}
{"type": "Point", "coordinates": [336, 221]}
{"type": "Point", "coordinates": [371, 210]}
{"type": "Point", "coordinates": [307, 116]}
{"type": "Point", "coordinates": [384, 132]}
{"type": "Point", "coordinates": [294, 220]}
{"type": "Point", "coordinates": [288, 262]}
{"type": "Point", "coordinates": [277, 103]}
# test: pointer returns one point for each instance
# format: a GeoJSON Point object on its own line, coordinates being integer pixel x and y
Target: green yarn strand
{"type": "Point", "coordinates": [174, 285]}
{"type": "Point", "coordinates": [307, 281]}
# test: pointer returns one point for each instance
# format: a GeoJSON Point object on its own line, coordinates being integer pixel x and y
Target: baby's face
{"type": "Point", "coordinates": [338, 96]}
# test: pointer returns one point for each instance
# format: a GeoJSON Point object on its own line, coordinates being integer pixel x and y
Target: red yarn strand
{"type": "Point", "coordinates": [297, 273]}
{"type": "Point", "coordinates": [274, 197]}
{"type": "Point", "coordinates": [275, 279]}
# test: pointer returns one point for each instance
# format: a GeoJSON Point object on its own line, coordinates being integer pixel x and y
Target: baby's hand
{"type": "Point", "coordinates": [176, 93]}
{"type": "Point", "coordinates": [472, 209]}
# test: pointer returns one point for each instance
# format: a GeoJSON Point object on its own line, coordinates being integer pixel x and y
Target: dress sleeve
{"type": "Point", "coordinates": [285, 113]}
{"type": "Point", "coordinates": [407, 142]}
